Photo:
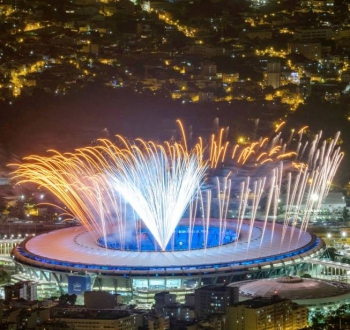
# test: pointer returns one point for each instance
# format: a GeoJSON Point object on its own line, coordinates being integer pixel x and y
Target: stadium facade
{"type": "Point", "coordinates": [138, 275]}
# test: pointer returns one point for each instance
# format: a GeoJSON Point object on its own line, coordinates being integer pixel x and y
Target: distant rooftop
{"type": "Point", "coordinates": [258, 302]}
{"type": "Point", "coordinates": [301, 290]}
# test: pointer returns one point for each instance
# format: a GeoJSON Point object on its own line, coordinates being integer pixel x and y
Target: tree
{"type": "Point", "coordinates": [68, 299]}
{"type": "Point", "coordinates": [72, 299]}
{"type": "Point", "coordinates": [318, 319]}
{"type": "Point", "coordinates": [346, 214]}
{"type": "Point", "coordinates": [4, 276]}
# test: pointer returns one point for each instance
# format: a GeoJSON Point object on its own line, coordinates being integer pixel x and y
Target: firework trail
{"type": "Point", "coordinates": [113, 186]}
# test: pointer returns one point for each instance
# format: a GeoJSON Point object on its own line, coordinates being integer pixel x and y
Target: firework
{"type": "Point", "coordinates": [117, 188]}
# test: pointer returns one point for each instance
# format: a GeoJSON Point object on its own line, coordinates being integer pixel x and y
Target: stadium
{"type": "Point", "coordinates": [54, 256]}
{"type": "Point", "coordinates": [160, 217]}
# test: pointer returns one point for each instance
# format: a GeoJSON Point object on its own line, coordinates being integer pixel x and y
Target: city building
{"type": "Point", "coordinates": [101, 300]}
{"type": "Point", "coordinates": [272, 313]}
{"type": "Point", "coordinates": [312, 33]}
{"type": "Point", "coordinates": [317, 3]}
{"type": "Point", "coordinates": [257, 34]}
{"type": "Point", "coordinates": [25, 289]}
{"type": "Point", "coordinates": [214, 321]}
{"type": "Point", "coordinates": [311, 50]}
{"type": "Point", "coordinates": [158, 322]}
{"type": "Point", "coordinates": [274, 73]}
{"type": "Point", "coordinates": [214, 299]}
{"type": "Point", "coordinates": [23, 317]}
{"type": "Point", "coordinates": [186, 313]}
{"type": "Point", "coordinates": [54, 325]}
{"type": "Point", "coordinates": [85, 319]}
{"type": "Point", "coordinates": [304, 87]}
{"type": "Point", "coordinates": [345, 76]}
{"type": "Point", "coordinates": [208, 70]}
{"type": "Point", "coordinates": [164, 299]}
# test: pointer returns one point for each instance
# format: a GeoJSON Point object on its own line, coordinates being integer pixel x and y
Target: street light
{"type": "Point", "coordinates": [329, 236]}
{"type": "Point", "coordinates": [343, 235]}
